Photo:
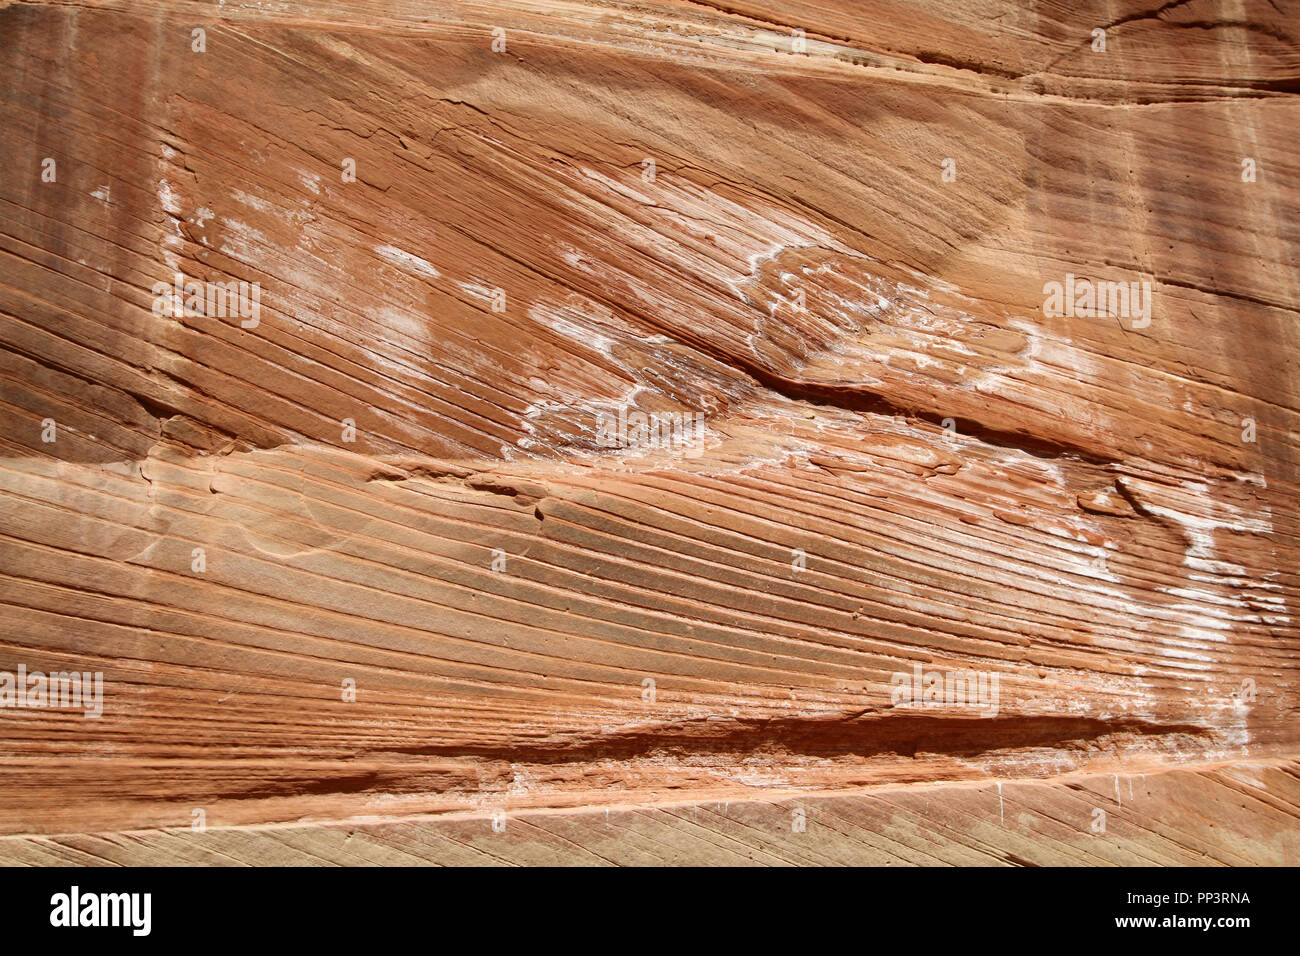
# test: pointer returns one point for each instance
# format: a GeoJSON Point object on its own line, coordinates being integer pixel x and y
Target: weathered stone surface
{"type": "Point", "coordinates": [828, 252]}
{"type": "Point", "coordinates": [1231, 816]}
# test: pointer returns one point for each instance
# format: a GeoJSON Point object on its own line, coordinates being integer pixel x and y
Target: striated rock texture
{"type": "Point", "coordinates": [652, 432]}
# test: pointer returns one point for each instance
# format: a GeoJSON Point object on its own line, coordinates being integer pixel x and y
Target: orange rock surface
{"type": "Point", "coordinates": [389, 551]}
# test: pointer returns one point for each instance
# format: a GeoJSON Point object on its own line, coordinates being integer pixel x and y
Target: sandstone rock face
{"type": "Point", "coordinates": [657, 432]}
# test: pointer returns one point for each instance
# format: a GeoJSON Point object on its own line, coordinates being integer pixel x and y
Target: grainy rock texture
{"type": "Point", "coordinates": [386, 559]}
